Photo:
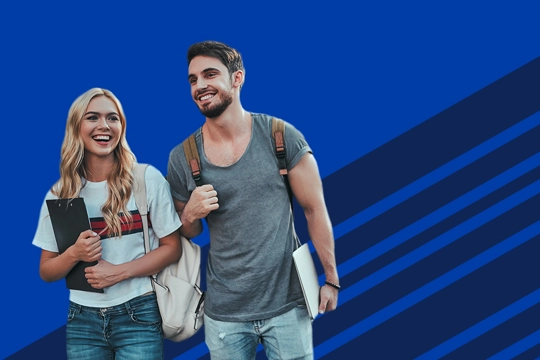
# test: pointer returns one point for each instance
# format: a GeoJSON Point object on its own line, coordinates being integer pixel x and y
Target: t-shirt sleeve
{"type": "Point", "coordinates": [163, 215]}
{"type": "Point", "coordinates": [44, 237]}
{"type": "Point", "coordinates": [177, 175]}
{"type": "Point", "coordinates": [295, 144]}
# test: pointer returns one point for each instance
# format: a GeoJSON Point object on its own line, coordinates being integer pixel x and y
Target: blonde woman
{"type": "Point", "coordinates": [96, 164]}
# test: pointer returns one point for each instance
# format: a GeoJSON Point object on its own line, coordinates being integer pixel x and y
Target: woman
{"type": "Point", "coordinates": [96, 164]}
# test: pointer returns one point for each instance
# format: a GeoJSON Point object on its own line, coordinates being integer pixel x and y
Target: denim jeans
{"type": "Point", "coordinates": [130, 331]}
{"type": "Point", "coordinates": [287, 336]}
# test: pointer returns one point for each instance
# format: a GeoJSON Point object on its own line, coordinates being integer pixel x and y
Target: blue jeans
{"type": "Point", "coordinates": [287, 336]}
{"type": "Point", "coordinates": [130, 331]}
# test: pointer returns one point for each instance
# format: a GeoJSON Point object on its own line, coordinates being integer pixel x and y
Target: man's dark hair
{"type": "Point", "coordinates": [230, 57]}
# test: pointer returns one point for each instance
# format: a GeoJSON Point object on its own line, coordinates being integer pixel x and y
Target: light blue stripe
{"type": "Point", "coordinates": [427, 290]}
{"type": "Point", "coordinates": [520, 347]}
{"type": "Point", "coordinates": [482, 327]}
{"type": "Point", "coordinates": [438, 215]}
{"type": "Point", "coordinates": [440, 241]}
{"type": "Point", "coordinates": [412, 189]}
{"type": "Point", "coordinates": [436, 175]}
{"type": "Point", "coordinates": [194, 353]}
{"type": "Point", "coordinates": [429, 179]}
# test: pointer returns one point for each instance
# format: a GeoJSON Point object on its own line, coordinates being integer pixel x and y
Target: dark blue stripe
{"type": "Point", "coordinates": [434, 142]}
{"type": "Point", "coordinates": [438, 195]}
{"type": "Point", "coordinates": [482, 327]}
{"type": "Point", "coordinates": [500, 337]}
{"type": "Point", "coordinates": [427, 290]}
{"type": "Point", "coordinates": [424, 271]}
{"type": "Point", "coordinates": [423, 149]}
{"type": "Point", "coordinates": [519, 347]}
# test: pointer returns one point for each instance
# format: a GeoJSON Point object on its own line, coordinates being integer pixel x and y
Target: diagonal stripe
{"type": "Point", "coordinates": [427, 290]}
{"type": "Point", "coordinates": [482, 327]}
{"type": "Point", "coordinates": [439, 215]}
{"type": "Point", "coordinates": [440, 241]}
{"type": "Point", "coordinates": [505, 102]}
{"type": "Point", "coordinates": [436, 141]}
{"type": "Point", "coordinates": [436, 175]}
{"type": "Point", "coordinates": [429, 179]}
{"type": "Point", "coordinates": [519, 347]}
{"type": "Point", "coordinates": [194, 353]}
{"type": "Point", "coordinates": [429, 248]}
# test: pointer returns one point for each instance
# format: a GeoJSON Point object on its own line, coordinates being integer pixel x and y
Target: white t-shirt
{"type": "Point", "coordinates": [163, 221]}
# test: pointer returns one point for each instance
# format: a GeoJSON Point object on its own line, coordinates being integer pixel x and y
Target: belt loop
{"type": "Point", "coordinates": [127, 304]}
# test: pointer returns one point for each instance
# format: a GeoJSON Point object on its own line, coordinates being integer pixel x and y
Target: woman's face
{"type": "Point", "coordinates": [100, 128]}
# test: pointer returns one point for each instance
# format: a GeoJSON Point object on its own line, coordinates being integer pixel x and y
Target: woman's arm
{"type": "Point", "coordinates": [105, 274]}
{"type": "Point", "coordinates": [54, 266]}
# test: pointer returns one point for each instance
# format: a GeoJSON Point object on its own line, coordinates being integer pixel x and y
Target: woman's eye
{"type": "Point", "coordinates": [93, 117]}
{"type": "Point", "coordinates": [113, 118]}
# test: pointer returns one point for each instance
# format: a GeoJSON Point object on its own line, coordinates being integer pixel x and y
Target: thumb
{"type": "Point", "coordinates": [322, 306]}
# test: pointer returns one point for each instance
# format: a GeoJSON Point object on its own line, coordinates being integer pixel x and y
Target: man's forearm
{"type": "Point", "coordinates": [320, 232]}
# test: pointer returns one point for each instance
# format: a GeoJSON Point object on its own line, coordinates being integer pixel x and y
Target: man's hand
{"type": "Point", "coordinates": [329, 298]}
{"type": "Point", "coordinates": [203, 200]}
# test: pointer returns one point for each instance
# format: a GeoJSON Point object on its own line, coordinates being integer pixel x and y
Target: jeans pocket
{"type": "Point", "coordinates": [146, 314]}
{"type": "Point", "coordinates": [72, 312]}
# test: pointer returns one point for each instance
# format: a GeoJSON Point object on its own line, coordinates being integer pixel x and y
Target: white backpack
{"type": "Point", "coordinates": [177, 287]}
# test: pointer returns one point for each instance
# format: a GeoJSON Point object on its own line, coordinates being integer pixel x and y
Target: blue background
{"type": "Point", "coordinates": [423, 117]}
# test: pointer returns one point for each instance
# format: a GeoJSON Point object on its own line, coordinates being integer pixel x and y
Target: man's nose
{"type": "Point", "coordinates": [201, 83]}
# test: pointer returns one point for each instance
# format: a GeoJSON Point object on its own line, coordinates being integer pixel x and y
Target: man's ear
{"type": "Point", "coordinates": [238, 78]}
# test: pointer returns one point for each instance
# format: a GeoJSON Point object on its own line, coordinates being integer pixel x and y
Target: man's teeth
{"type": "Point", "coordinates": [206, 97]}
{"type": "Point", "coordinates": [102, 137]}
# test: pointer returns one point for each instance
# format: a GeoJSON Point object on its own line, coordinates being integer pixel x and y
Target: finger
{"type": "Point", "coordinates": [95, 257]}
{"type": "Point", "coordinates": [207, 187]}
{"type": "Point", "coordinates": [322, 306]}
{"type": "Point", "coordinates": [88, 234]}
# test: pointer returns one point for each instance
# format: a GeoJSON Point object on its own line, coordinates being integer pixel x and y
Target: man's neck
{"type": "Point", "coordinates": [233, 123]}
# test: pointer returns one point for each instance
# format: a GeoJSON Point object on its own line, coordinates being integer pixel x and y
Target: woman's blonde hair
{"type": "Point", "coordinates": [73, 170]}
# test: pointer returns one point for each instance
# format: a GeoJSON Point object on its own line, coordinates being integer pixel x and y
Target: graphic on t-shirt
{"type": "Point", "coordinates": [99, 225]}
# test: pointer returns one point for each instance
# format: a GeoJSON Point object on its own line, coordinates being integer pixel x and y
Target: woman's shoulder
{"type": "Point", "coordinates": [153, 175]}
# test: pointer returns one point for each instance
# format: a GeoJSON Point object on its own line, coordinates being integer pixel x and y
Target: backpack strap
{"type": "Point", "coordinates": [139, 192]}
{"type": "Point", "coordinates": [192, 158]}
{"type": "Point", "coordinates": [278, 133]}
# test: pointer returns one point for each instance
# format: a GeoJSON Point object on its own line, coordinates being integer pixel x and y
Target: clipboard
{"type": "Point", "coordinates": [69, 218]}
{"type": "Point", "coordinates": [309, 281]}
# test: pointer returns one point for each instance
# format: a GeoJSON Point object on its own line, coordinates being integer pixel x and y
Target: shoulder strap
{"type": "Point", "coordinates": [278, 133]}
{"type": "Point", "coordinates": [139, 192]}
{"type": "Point", "coordinates": [192, 158]}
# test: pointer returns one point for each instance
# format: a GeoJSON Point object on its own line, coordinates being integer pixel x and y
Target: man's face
{"type": "Point", "coordinates": [211, 86]}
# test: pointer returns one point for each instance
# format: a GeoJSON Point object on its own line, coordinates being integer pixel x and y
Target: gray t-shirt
{"type": "Point", "coordinates": [250, 274]}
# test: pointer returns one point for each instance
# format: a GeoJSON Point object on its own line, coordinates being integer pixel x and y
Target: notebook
{"type": "Point", "coordinates": [308, 279]}
{"type": "Point", "coordinates": [69, 218]}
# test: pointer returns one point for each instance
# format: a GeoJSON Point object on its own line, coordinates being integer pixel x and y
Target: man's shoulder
{"type": "Point", "coordinates": [178, 150]}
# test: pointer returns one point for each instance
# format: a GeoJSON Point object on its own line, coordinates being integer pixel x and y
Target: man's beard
{"type": "Point", "coordinates": [217, 110]}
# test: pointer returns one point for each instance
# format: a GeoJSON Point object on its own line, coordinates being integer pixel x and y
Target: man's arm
{"type": "Point", "coordinates": [306, 185]}
{"type": "Point", "coordinates": [202, 200]}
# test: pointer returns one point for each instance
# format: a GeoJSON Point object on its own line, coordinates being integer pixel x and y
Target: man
{"type": "Point", "coordinates": [253, 292]}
